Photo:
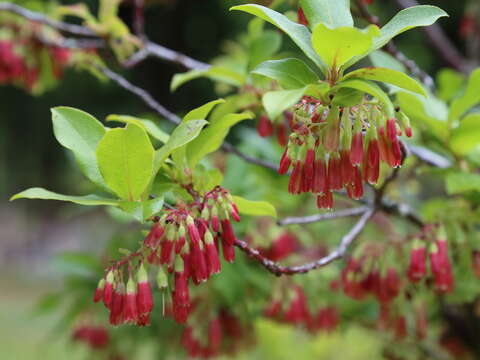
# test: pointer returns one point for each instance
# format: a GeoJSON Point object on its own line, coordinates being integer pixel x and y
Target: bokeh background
{"type": "Point", "coordinates": [33, 233]}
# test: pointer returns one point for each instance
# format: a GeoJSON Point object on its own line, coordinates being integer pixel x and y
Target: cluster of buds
{"type": "Point", "coordinates": [96, 337]}
{"type": "Point", "coordinates": [184, 243]}
{"type": "Point", "coordinates": [25, 57]}
{"type": "Point", "coordinates": [219, 335]}
{"type": "Point", "coordinates": [334, 148]}
{"type": "Point", "coordinates": [265, 127]}
{"type": "Point", "coordinates": [435, 239]}
{"type": "Point", "coordinates": [130, 304]}
{"type": "Point", "coordinates": [281, 247]}
{"type": "Point", "coordinates": [364, 276]}
{"type": "Point", "coordinates": [295, 311]}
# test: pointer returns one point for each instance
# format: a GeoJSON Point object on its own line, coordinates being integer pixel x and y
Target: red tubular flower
{"type": "Point", "coordinates": [309, 165]}
{"type": "Point", "coordinates": [180, 240]}
{"type": "Point", "coordinates": [180, 294]}
{"type": "Point", "coordinates": [281, 247]}
{"type": "Point", "coordinates": [108, 290]}
{"type": "Point", "coordinates": [282, 138]}
{"type": "Point", "coordinates": [130, 313]}
{"type": "Point", "coordinates": [214, 336]}
{"type": "Point", "coordinates": [400, 328]}
{"type": "Point", "coordinates": [213, 261]}
{"type": "Point", "coordinates": [199, 265]}
{"type": "Point", "coordinates": [301, 17]}
{"type": "Point", "coordinates": [273, 309]}
{"type": "Point", "coordinates": [227, 231]}
{"type": "Point", "coordinates": [320, 181]}
{"type": "Point", "coordinates": [117, 307]}
{"type": "Point", "coordinates": [417, 267]}
{"type": "Point", "coordinates": [99, 291]}
{"type": "Point", "coordinates": [215, 221]}
{"type": "Point", "coordinates": [284, 163]}
{"type": "Point", "coordinates": [441, 267]}
{"type": "Point", "coordinates": [373, 162]}
{"type": "Point", "coordinates": [334, 173]}
{"type": "Point", "coordinates": [326, 319]}
{"type": "Point", "coordinates": [166, 251]}
{"type": "Point", "coordinates": [392, 130]}
{"type": "Point", "coordinates": [234, 212]}
{"type": "Point", "coordinates": [347, 170]}
{"type": "Point", "coordinates": [264, 126]}
{"type": "Point", "coordinates": [295, 183]}
{"type": "Point", "coordinates": [325, 201]}
{"type": "Point", "coordinates": [298, 311]}
{"type": "Point", "coordinates": [144, 293]}
{"type": "Point", "coordinates": [356, 151]}
{"type": "Point", "coordinates": [228, 251]}
{"type": "Point", "coordinates": [156, 232]}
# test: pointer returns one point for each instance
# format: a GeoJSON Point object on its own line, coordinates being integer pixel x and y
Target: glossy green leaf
{"type": "Point", "coordinates": [290, 73]}
{"type": "Point", "coordinates": [43, 194]}
{"type": "Point", "coordinates": [212, 137]}
{"type": "Point", "coordinates": [297, 32]}
{"type": "Point", "coordinates": [449, 83]}
{"type": "Point", "coordinates": [470, 98]}
{"type": "Point", "coordinates": [264, 47]}
{"type": "Point", "coordinates": [216, 73]}
{"type": "Point", "coordinates": [458, 183]}
{"type": "Point", "coordinates": [334, 13]}
{"type": "Point", "coordinates": [372, 89]}
{"type": "Point", "coordinates": [202, 111]}
{"type": "Point", "coordinates": [276, 102]}
{"type": "Point", "coordinates": [466, 137]}
{"type": "Point", "coordinates": [387, 76]}
{"type": "Point", "coordinates": [338, 46]}
{"type": "Point", "coordinates": [422, 15]}
{"type": "Point", "coordinates": [383, 59]}
{"type": "Point", "coordinates": [142, 210]}
{"type": "Point", "coordinates": [148, 125]}
{"type": "Point", "coordinates": [125, 157]}
{"type": "Point", "coordinates": [255, 208]}
{"type": "Point", "coordinates": [348, 97]}
{"type": "Point", "coordinates": [79, 132]}
{"type": "Point", "coordinates": [183, 134]}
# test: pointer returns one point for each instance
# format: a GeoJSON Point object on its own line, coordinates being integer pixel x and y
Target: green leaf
{"type": "Point", "coordinates": [275, 102]}
{"type": "Point", "coordinates": [212, 137]}
{"type": "Point", "coordinates": [466, 137]}
{"type": "Point", "coordinates": [470, 98]}
{"type": "Point", "coordinates": [372, 89]}
{"type": "Point", "coordinates": [77, 263]}
{"type": "Point", "coordinates": [202, 111]}
{"type": "Point", "coordinates": [43, 194]}
{"type": "Point", "coordinates": [290, 73]}
{"type": "Point", "coordinates": [297, 32]}
{"type": "Point", "coordinates": [148, 125]}
{"type": "Point", "coordinates": [125, 157]}
{"type": "Point", "coordinates": [458, 183]}
{"type": "Point", "coordinates": [256, 208]}
{"type": "Point", "coordinates": [142, 210]}
{"type": "Point", "coordinates": [183, 134]}
{"type": "Point", "coordinates": [387, 76]}
{"type": "Point", "coordinates": [449, 83]}
{"type": "Point", "coordinates": [348, 97]}
{"type": "Point", "coordinates": [381, 58]}
{"type": "Point", "coordinates": [422, 15]}
{"type": "Point", "coordinates": [264, 47]}
{"type": "Point", "coordinates": [334, 13]}
{"type": "Point", "coordinates": [79, 132]}
{"type": "Point", "coordinates": [216, 73]}
{"type": "Point", "coordinates": [338, 46]}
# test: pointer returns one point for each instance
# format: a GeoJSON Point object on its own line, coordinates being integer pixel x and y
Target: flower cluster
{"type": "Point", "coordinates": [296, 311]}
{"type": "Point", "coordinates": [184, 243]}
{"type": "Point", "coordinates": [435, 239]}
{"type": "Point", "coordinates": [219, 335]}
{"type": "Point", "coordinates": [334, 148]}
{"type": "Point", "coordinates": [24, 57]}
{"type": "Point", "coordinates": [96, 337]}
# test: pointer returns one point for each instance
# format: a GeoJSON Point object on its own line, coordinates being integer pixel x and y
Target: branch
{"type": "Point", "coordinates": [439, 41]}
{"type": "Point", "coordinates": [338, 253]}
{"type": "Point", "coordinates": [390, 47]}
{"type": "Point", "coordinates": [40, 18]}
{"type": "Point", "coordinates": [326, 216]}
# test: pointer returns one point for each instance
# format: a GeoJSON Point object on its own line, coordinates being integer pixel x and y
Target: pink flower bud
{"type": "Point", "coordinates": [130, 313]}
{"type": "Point", "coordinates": [117, 307]}
{"type": "Point", "coordinates": [356, 151]}
{"type": "Point", "coordinates": [320, 181]}
{"type": "Point", "coordinates": [227, 232]}
{"type": "Point", "coordinates": [99, 291]}
{"type": "Point", "coordinates": [417, 267]}
{"type": "Point", "coordinates": [144, 293]}
{"type": "Point", "coordinates": [108, 290]}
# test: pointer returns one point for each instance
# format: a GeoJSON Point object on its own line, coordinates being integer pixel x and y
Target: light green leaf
{"type": "Point", "coordinates": [148, 125]}
{"type": "Point", "coordinates": [458, 183]}
{"type": "Point", "coordinates": [142, 210]}
{"type": "Point", "coordinates": [43, 194]}
{"type": "Point", "coordinates": [348, 97]}
{"type": "Point", "coordinates": [256, 208]}
{"type": "Point", "coordinates": [466, 137]}
{"type": "Point", "coordinates": [216, 73]}
{"type": "Point", "coordinates": [470, 98]}
{"type": "Point", "coordinates": [202, 111]}
{"type": "Point", "coordinates": [372, 89]}
{"type": "Point", "coordinates": [387, 76]}
{"type": "Point", "coordinates": [381, 58]}
{"type": "Point", "coordinates": [183, 134]}
{"type": "Point", "coordinates": [449, 83]}
{"type": "Point", "coordinates": [297, 32]}
{"type": "Point", "coordinates": [422, 15]}
{"type": "Point", "coordinates": [212, 137]}
{"type": "Point", "coordinates": [337, 46]}
{"type": "Point", "coordinates": [275, 102]}
{"type": "Point", "coordinates": [430, 112]}
{"type": "Point", "coordinates": [334, 13]}
{"type": "Point", "coordinates": [79, 132]}
{"type": "Point", "coordinates": [264, 47]}
{"type": "Point", "coordinates": [290, 73]}
{"type": "Point", "coordinates": [125, 157]}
